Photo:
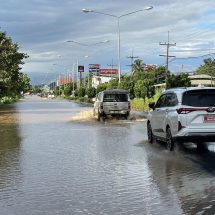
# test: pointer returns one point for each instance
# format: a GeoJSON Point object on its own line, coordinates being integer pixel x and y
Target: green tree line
{"type": "Point", "coordinates": [140, 82]}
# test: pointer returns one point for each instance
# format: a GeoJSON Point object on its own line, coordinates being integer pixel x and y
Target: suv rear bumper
{"type": "Point", "coordinates": [116, 112]}
{"type": "Point", "coordinates": [190, 135]}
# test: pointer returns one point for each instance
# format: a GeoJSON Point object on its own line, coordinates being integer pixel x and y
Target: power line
{"type": "Point", "coordinates": [132, 57]}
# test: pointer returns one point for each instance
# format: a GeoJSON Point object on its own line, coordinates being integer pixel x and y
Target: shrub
{"type": "Point", "coordinates": [143, 104]}
{"type": "Point", "coordinates": [8, 100]}
{"type": "Point", "coordinates": [80, 92]}
{"type": "Point", "coordinates": [91, 92]}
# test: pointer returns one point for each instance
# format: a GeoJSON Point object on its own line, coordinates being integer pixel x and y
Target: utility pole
{"type": "Point", "coordinates": [132, 57]}
{"type": "Point", "coordinates": [168, 45]}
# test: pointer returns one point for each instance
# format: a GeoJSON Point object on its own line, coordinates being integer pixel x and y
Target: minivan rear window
{"type": "Point", "coordinates": [115, 98]}
{"type": "Point", "coordinates": [199, 98]}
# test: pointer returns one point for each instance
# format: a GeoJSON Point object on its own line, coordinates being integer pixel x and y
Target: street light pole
{"type": "Point", "coordinates": [119, 48]}
{"type": "Point", "coordinates": [118, 27]}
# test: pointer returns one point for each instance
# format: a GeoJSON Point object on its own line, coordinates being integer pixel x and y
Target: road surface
{"type": "Point", "coordinates": [56, 159]}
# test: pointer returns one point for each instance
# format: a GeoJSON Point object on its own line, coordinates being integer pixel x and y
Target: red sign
{"type": "Point", "coordinates": [94, 67]}
{"type": "Point", "coordinates": [80, 68]}
{"type": "Point", "coordinates": [108, 71]}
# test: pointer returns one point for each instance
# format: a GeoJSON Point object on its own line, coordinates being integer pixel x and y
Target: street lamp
{"type": "Point", "coordinates": [118, 26]}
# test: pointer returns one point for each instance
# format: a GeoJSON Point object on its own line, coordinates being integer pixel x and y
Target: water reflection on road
{"type": "Point", "coordinates": [53, 163]}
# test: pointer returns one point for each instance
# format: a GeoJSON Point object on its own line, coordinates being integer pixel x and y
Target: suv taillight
{"type": "Point", "coordinates": [101, 105]}
{"type": "Point", "coordinates": [188, 110]}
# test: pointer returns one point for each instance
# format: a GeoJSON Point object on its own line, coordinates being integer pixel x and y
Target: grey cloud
{"type": "Point", "coordinates": [43, 26]}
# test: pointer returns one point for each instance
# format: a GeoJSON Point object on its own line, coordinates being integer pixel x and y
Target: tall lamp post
{"type": "Point", "coordinates": [118, 27]}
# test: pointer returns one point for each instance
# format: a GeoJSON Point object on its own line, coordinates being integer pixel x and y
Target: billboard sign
{"type": "Point", "coordinates": [108, 71]}
{"type": "Point", "coordinates": [80, 68]}
{"type": "Point", "coordinates": [94, 67]}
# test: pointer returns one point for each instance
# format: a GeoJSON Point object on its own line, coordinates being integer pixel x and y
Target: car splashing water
{"type": "Point", "coordinates": [83, 116]}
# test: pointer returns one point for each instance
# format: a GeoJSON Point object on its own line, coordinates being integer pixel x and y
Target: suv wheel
{"type": "Point", "coordinates": [126, 116]}
{"type": "Point", "coordinates": [149, 132]}
{"type": "Point", "coordinates": [169, 140]}
{"type": "Point", "coordinates": [98, 116]}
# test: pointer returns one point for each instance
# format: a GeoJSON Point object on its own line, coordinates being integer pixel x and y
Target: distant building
{"type": "Point", "coordinates": [148, 67]}
{"type": "Point", "coordinates": [96, 80]}
{"type": "Point", "coordinates": [202, 80]}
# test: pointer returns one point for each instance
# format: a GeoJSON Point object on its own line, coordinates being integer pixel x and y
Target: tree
{"type": "Point", "coordinates": [181, 80]}
{"type": "Point", "coordinates": [144, 88]}
{"type": "Point", "coordinates": [137, 72]}
{"type": "Point", "coordinates": [67, 89]}
{"type": "Point", "coordinates": [127, 84]}
{"type": "Point", "coordinates": [138, 89]}
{"type": "Point", "coordinates": [81, 92]}
{"type": "Point", "coordinates": [157, 75]}
{"type": "Point", "coordinates": [207, 68]}
{"type": "Point", "coordinates": [101, 87]}
{"type": "Point", "coordinates": [113, 84]}
{"type": "Point", "coordinates": [10, 61]}
{"type": "Point", "coordinates": [91, 92]}
{"type": "Point", "coordinates": [23, 84]}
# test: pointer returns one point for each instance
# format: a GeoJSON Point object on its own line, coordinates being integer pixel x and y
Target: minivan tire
{"type": "Point", "coordinates": [150, 133]}
{"type": "Point", "coordinates": [169, 140]}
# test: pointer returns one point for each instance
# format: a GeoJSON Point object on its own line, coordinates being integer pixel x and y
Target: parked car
{"type": "Point", "coordinates": [51, 96]}
{"type": "Point", "coordinates": [183, 114]}
{"type": "Point", "coordinates": [111, 102]}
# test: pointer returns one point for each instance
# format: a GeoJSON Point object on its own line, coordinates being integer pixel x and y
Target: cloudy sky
{"type": "Point", "coordinates": [42, 27]}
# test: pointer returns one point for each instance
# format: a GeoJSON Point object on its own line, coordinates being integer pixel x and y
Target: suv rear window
{"type": "Point", "coordinates": [115, 98]}
{"type": "Point", "coordinates": [199, 98]}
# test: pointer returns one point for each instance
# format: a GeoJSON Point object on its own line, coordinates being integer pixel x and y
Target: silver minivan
{"type": "Point", "coordinates": [111, 102]}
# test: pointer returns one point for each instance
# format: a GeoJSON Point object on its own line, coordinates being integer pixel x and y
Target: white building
{"type": "Point", "coordinates": [96, 80]}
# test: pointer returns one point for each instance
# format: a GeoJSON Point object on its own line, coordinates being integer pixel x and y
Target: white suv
{"type": "Point", "coordinates": [183, 114]}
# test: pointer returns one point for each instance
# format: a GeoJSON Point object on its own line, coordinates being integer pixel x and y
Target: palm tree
{"type": "Point", "coordinates": [137, 69]}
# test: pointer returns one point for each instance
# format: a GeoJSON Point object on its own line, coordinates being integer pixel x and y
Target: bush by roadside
{"type": "Point", "coordinates": [140, 104]}
{"type": "Point", "coordinates": [8, 100]}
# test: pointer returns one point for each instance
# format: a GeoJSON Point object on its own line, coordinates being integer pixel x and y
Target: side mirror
{"type": "Point", "coordinates": [152, 105]}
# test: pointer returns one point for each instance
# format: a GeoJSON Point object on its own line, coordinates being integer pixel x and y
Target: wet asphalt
{"type": "Point", "coordinates": [55, 158]}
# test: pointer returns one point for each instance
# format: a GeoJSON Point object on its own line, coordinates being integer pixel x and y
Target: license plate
{"type": "Point", "coordinates": [114, 111]}
{"type": "Point", "coordinates": [209, 118]}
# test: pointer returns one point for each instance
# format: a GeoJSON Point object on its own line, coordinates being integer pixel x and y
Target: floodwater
{"type": "Point", "coordinates": [56, 159]}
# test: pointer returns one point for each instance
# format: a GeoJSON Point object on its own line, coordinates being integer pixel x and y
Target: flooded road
{"type": "Point", "coordinates": [56, 159]}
